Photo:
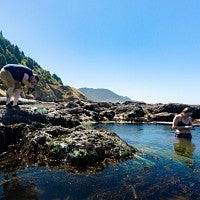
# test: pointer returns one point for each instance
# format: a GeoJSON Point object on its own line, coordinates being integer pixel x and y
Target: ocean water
{"type": "Point", "coordinates": [165, 168]}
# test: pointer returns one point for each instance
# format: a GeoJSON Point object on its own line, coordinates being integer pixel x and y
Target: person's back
{"type": "Point", "coordinates": [18, 71]}
{"type": "Point", "coordinates": [14, 77]}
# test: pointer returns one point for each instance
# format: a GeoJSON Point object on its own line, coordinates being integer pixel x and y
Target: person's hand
{"type": "Point", "coordinates": [189, 127]}
{"type": "Point", "coordinates": [30, 90]}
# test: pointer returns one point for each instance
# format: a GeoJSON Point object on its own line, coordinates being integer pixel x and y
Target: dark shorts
{"type": "Point", "coordinates": [183, 135]}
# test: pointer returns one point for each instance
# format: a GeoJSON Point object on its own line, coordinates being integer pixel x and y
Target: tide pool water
{"type": "Point", "coordinates": [165, 168]}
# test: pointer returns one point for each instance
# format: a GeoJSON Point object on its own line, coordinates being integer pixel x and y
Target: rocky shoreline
{"type": "Point", "coordinates": [57, 133]}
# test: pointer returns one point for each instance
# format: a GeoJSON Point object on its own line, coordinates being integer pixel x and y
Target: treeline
{"type": "Point", "coordinates": [11, 54]}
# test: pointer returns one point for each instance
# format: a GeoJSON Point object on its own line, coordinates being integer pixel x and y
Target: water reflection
{"type": "Point", "coordinates": [137, 178]}
{"type": "Point", "coordinates": [14, 185]}
{"type": "Point", "coordinates": [14, 189]}
{"type": "Point", "coordinates": [184, 148]}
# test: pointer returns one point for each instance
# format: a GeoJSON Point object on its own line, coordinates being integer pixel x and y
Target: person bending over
{"type": "Point", "coordinates": [14, 77]}
{"type": "Point", "coordinates": [182, 123]}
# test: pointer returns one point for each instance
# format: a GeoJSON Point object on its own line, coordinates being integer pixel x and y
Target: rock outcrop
{"type": "Point", "coordinates": [58, 132]}
{"type": "Point", "coordinates": [54, 136]}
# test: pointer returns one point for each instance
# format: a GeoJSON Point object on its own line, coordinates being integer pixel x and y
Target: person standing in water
{"type": "Point", "coordinates": [182, 123]}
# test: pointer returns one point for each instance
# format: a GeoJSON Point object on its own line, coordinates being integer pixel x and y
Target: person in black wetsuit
{"type": "Point", "coordinates": [182, 123]}
{"type": "Point", "coordinates": [14, 77]}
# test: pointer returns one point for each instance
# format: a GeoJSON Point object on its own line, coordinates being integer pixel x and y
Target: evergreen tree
{"type": "Point", "coordinates": [30, 63]}
{"type": "Point", "coordinates": [10, 58]}
{"type": "Point", "coordinates": [2, 43]}
{"type": "Point", "coordinates": [17, 54]}
{"type": "Point", "coordinates": [2, 60]}
{"type": "Point", "coordinates": [57, 78]}
{"type": "Point", "coordinates": [50, 85]}
{"type": "Point", "coordinates": [1, 50]}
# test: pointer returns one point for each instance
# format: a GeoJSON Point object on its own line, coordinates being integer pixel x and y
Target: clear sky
{"type": "Point", "coordinates": [148, 50]}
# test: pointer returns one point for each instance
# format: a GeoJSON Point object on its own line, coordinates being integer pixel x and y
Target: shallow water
{"type": "Point", "coordinates": [166, 168]}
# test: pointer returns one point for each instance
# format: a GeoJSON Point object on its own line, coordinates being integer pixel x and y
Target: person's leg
{"type": "Point", "coordinates": [17, 93]}
{"type": "Point", "coordinates": [9, 94]}
{"type": "Point", "coordinates": [8, 80]}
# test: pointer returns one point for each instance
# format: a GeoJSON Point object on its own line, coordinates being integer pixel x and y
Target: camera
{"type": "Point", "coordinates": [30, 90]}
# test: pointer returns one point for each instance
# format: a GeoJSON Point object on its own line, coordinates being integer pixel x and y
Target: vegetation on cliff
{"type": "Point", "coordinates": [50, 87]}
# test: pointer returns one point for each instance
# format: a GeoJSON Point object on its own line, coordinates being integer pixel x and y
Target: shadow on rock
{"type": "Point", "coordinates": [11, 116]}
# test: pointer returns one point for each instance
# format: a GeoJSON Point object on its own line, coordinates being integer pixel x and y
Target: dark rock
{"type": "Point", "coordinates": [92, 107]}
{"type": "Point", "coordinates": [71, 105]}
{"type": "Point", "coordinates": [11, 134]}
{"type": "Point", "coordinates": [52, 132]}
{"type": "Point", "coordinates": [170, 108]}
{"type": "Point", "coordinates": [105, 104]}
{"type": "Point", "coordinates": [164, 117]}
{"type": "Point", "coordinates": [96, 116]}
{"type": "Point", "coordinates": [109, 114]}
{"type": "Point", "coordinates": [134, 103]}
{"type": "Point", "coordinates": [136, 112]}
{"type": "Point", "coordinates": [12, 116]}
{"type": "Point", "coordinates": [64, 122]}
{"type": "Point", "coordinates": [56, 131]}
{"type": "Point", "coordinates": [196, 112]}
{"type": "Point", "coordinates": [88, 147]}
{"type": "Point", "coordinates": [77, 111]}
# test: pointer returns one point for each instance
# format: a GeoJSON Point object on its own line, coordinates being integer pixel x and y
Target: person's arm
{"type": "Point", "coordinates": [193, 127]}
{"type": "Point", "coordinates": [175, 122]}
{"type": "Point", "coordinates": [26, 82]}
{"type": "Point", "coordinates": [25, 79]}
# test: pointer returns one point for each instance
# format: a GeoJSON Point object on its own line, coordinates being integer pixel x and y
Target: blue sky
{"type": "Point", "coordinates": [148, 50]}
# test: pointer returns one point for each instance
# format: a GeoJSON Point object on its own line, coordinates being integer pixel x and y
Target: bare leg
{"type": "Point", "coordinates": [9, 94]}
{"type": "Point", "coordinates": [16, 96]}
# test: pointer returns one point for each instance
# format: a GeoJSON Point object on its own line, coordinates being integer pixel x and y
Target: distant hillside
{"type": "Point", "coordinates": [50, 88]}
{"type": "Point", "coordinates": [105, 95]}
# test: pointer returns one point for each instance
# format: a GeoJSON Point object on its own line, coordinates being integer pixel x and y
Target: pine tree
{"type": "Point", "coordinates": [2, 60]}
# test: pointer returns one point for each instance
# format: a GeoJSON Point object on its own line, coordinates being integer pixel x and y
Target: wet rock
{"type": "Point", "coordinates": [135, 113]}
{"type": "Point", "coordinates": [164, 117]}
{"type": "Point", "coordinates": [64, 122]}
{"type": "Point", "coordinates": [56, 131]}
{"type": "Point", "coordinates": [71, 105]}
{"type": "Point", "coordinates": [105, 104]}
{"type": "Point", "coordinates": [79, 146]}
{"type": "Point", "coordinates": [169, 108]}
{"type": "Point", "coordinates": [92, 107]}
{"type": "Point", "coordinates": [57, 135]}
{"type": "Point", "coordinates": [196, 112]}
{"type": "Point", "coordinates": [109, 114]}
{"type": "Point", "coordinates": [96, 116]}
{"type": "Point", "coordinates": [11, 135]}
{"type": "Point", "coordinates": [88, 147]}
{"type": "Point", "coordinates": [14, 116]}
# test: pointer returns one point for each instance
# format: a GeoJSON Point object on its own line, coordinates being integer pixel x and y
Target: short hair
{"type": "Point", "coordinates": [187, 110]}
{"type": "Point", "coordinates": [37, 77]}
